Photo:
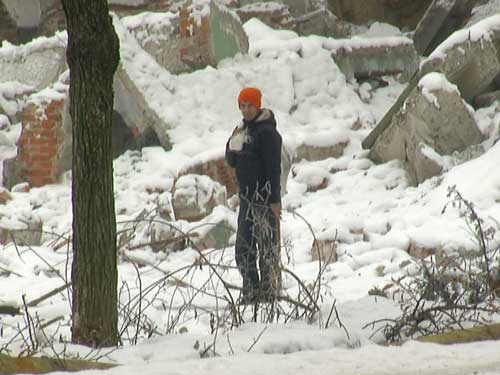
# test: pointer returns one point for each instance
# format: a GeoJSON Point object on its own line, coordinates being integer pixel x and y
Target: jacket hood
{"type": "Point", "coordinates": [265, 116]}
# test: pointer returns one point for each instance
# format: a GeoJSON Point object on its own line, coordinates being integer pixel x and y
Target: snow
{"type": "Point", "coordinates": [151, 27]}
{"type": "Point", "coordinates": [480, 30]}
{"type": "Point", "coordinates": [370, 209]}
{"type": "Point", "coordinates": [435, 82]}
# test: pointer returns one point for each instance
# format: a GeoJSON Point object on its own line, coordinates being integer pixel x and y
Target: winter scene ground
{"type": "Point", "coordinates": [175, 317]}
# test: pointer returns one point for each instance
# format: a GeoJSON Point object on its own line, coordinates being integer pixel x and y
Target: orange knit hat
{"type": "Point", "coordinates": [251, 95]}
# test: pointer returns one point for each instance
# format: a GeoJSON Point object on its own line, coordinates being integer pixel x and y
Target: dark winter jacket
{"type": "Point", "coordinates": [254, 149]}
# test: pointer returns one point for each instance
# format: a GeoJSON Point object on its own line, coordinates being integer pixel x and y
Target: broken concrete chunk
{"type": "Point", "coordinates": [487, 99]}
{"type": "Point", "coordinates": [273, 14]}
{"type": "Point", "coordinates": [203, 33]}
{"type": "Point", "coordinates": [312, 152]}
{"type": "Point", "coordinates": [25, 231]}
{"type": "Point", "coordinates": [36, 67]}
{"type": "Point", "coordinates": [195, 196]}
{"type": "Point", "coordinates": [130, 103]}
{"type": "Point", "coordinates": [210, 32]}
{"type": "Point", "coordinates": [423, 165]}
{"type": "Point", "coordinates": [442, 18]}
{"type": "Point", "coordinates": [321, 22]}
{"type": "Point", "coordinates": [469, 59]}
{"type": "Point", "coordinates": [374, 57]}
{"type": "Point", "coordinates": [216, 230]}
{"type": "Point", "coordinates": [215, 167]}
{"type": "Point", "coordinates": [471, 65]}
{"type": "Point", "coordinates": [324, 250]}
{"type": "Point", "coordinates": [482, 10]}
{"type": "Point", "coordinates": [401, 13]}
{"type": "Point", "coordinates": [434, 116]}
{"type": "Point", "coordinates": [433, 19]}
{"type": "Point", "coordinates": [159, 35]}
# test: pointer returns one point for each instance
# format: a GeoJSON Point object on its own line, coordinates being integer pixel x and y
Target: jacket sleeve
{"type": "Point", "coordinates": [230, 154]}
{"type": "Point", "coordinates": [270, 148]}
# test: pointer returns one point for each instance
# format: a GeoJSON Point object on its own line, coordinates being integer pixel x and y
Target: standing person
{"type": "Point", "coordinates": [254, 149]}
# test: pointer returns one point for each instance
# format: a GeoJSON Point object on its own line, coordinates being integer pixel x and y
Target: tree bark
{"type": "Point", "coordinates": [93, 56]}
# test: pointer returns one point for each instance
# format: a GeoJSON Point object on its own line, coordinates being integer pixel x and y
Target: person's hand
{"type": "Point", "coordinates": [276, 208]}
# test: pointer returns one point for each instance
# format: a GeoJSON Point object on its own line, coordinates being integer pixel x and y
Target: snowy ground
{"type": "Point", "coordinates": [373, 210]}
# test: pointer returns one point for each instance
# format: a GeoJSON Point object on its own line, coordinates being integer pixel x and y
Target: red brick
{"type": "Point", "coordinates": [50, 150]}
{"type": "Point", "coordinates": [49, 124]}
{"type": "Point", "coordinates": [43, 166]}
{"type": "Point", "coordinates": [37, 141]}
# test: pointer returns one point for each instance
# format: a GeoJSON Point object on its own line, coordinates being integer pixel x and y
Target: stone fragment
{"type": "Point", "coordinates": [195, 196]}
{"type": "Point", "coordinates": [374, 57]}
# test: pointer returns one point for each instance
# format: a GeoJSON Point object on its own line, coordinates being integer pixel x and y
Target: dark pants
{"type": "Point", "coordinates": [257, 238]}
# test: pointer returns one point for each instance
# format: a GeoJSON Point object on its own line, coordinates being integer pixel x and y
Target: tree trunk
{"type": "Point", "coordinates": [93, 56]}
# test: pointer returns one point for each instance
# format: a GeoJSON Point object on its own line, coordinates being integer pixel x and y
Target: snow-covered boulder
{"type": "Point", "coordinates": [5, 195]}
{"type": "Point", "coordinates": [441, 19]}
{"type": "Point", "coordinates": [214, 166]}
{"type": "Point", "coordinates": [23, 230]}
{"type": "Point", "coordinates": [374, 57]}
{"type": "Point", "coordinates": [324, 249]}
{"type": "Point", "coordinates": [313, 177]}
{"type": "Point", "coordinates": [401, 13]}
{"type": "Point", "coordinates": [419, 251]}
{"type": "Point", "coordinates": [434, 121]}
{"type": "Point", "coordinates": [203, 33]}
{"type": "Point", "coordinates": [318, 148]}
{"type": "Point", "coordinates": [484, 10]}
{"type": "Point", "coordinates": [132, 105]}
{"type": "Point", "coordinates": [469, 59]}
{"type": "Point", "coordinates": [216, 230]}
{"type": "Point", "coordinates": [38, 64]}
{"type": "Point", "coordinates": [195, 196]}
{"type": "Point", "coordinates": [167, 236]}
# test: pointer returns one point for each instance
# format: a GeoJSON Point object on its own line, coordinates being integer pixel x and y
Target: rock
{"type": "Point", "coordinates": [167, 236]}
{"type": "Point", "coordinates": [440, 20]}
{"type": "Point", "coordinates": [484, 9]}
{"type": "Point", "coordinates": [216, 230]}
{"type": "Point", "coordinates": [130, 103]}
{"type": "Point", "coordinates": [5, 195]}
{"type": "Point", "coordinates": [435, 115]}
{"type": "Point", "coordinates": [215, 167]}
{"type": "Point", "coordinates": [195, 196]}
{"type": "Point", "coordinates": [423, 165]}
{"type": "Point", "coordinates": [401, 13]}
{"type": "Point", "coordinates": [485, 100]}
{"type": "Point", "coordinates": [12, 173]}
{"type": "Point", "coordinates": [159, 35]}
{"type": "Point", "coordinates": [12, 101]}
{"type": "Point", "coordinates": [421, 252]}
{"type": "Point", "coordinates": [23, 187]}
{"type": "Point", "coordinates": [275, 15]}
{"type": "Point", "coordinates": [38, 67]}
{"type": "Point", "coordinates": [26, 233]}
{"type": "Point", "coordinates": [363, 58]}
{"type": "Point", "coordinates": [324, 250]}
{"type": "Point", "coordinates": [209, 32]}
{"type": "Point", "coordinates": [321, 22]}
{"type": "Point", "coordinates": [471, 65]}
{"type": "Point", "coordinates": [313, 152]}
